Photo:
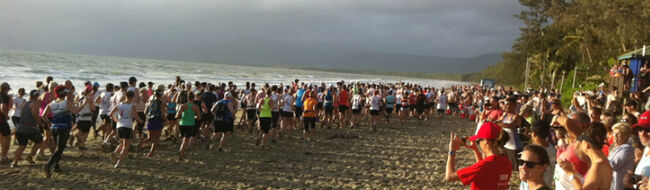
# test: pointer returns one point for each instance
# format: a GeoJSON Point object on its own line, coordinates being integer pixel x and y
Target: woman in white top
{"type": "Point", "coordinates": [375, 103]}
{"type": "Point", "coordinates": [84, 117]}
{"type": "Point", "coordinates": [124, 118]}
{"type": "Point", "coordinates": [287, 104]}
{"type": "Point", "coordinates": [18, 104]}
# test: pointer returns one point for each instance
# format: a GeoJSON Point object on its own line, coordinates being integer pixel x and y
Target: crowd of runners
{"type": "Point", "coordinates": [131, 114]}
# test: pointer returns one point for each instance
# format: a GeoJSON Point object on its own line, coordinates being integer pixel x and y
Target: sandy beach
{"type": "Point", "coordinates": [406, 157]}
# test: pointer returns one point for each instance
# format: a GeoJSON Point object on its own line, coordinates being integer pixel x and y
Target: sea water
{"type": "Point", "coordinates": [22, 69]}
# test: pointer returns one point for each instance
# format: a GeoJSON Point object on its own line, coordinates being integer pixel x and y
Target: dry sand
{"type": "Point", "coordinates": [406, 157]}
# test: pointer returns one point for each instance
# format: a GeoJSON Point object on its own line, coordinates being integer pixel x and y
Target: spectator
{"type": "Point", "coordinates": [589, 144]}
{"type": "Point", "coordinates": [492, 169]}
{"type": "Point", "coordinates": [621, 156]}
{"type": "Point", "coordinates": [533, 164]}
{"type": "Point", "coordinates": [539, 132]}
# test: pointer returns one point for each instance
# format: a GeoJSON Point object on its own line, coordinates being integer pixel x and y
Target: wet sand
{"type": "Point", "coordinates": [394, 157]}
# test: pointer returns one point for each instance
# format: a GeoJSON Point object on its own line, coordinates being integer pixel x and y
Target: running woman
{"type": "Point", "coordinates": [46, 98]}
{"type": "Point", "coordinates": [251, 110]}
{"type": "Point", "coordinates": [287, 124]}
{"type": "Point", "coordinates": [265, 106]}
{"type": "Point", "coordinates": [62, 110]}
{"type": "Point", "coordinates": [124, 118]}
{"type": "Point", "coordinates": [442, 103]}
{"type": "Point", "coordinates": [224, 119]}
{"type": "Point", "coordinates": [390, 105]}
{"type": "Point", "coordinates": [140, 106]}
{"type": "Point", "coordinates": [188, 114]}
{"type": "Point", "coordinates": [309, 115]}
{"type": "Point", "coordinates": [84, 117]}
{"type": "Point", "coordinates": [104, 109]}
{"type": "Point", "coordinates": [275, 112]}
{"type": "Point", "coordinates": [5, 131]}
{"type": "Point", "coordinates": [155, 110]}
{"type": "Point", "coordinates": [356, 108]}
{"type": "Point", "coordinates": [328, 97]}
{"type": "Point", "coordinates": [171, 99]}
{"type": "Point", "coordinates": [343, 100]}
{"type": "Point", "coordinates": [375, 103]}
{"type": "Point", "coordinates": [28, 129]}
{"type": "Point", "coordinates": [17, 106]}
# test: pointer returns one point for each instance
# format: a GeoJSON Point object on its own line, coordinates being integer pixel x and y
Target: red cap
{"type": "Point", "coordinates": [58, 90]}
{"type": "Point", "coordinates": [488, 130]}
{"type": "Point", "coordinates": [644, 121]}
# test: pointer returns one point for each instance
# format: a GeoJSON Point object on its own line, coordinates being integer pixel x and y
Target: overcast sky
{"type": "Point", "coordinates": [196, 29]}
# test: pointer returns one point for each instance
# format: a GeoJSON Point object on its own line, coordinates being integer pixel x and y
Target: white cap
{"type": "Point", "coordinates": [228, 95]}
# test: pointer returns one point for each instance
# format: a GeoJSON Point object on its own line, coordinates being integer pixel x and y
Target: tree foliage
{"type": "Point", "coordinates": [561, 35]}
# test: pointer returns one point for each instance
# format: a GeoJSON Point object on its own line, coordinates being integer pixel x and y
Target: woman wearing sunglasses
{"type": "Point", "coordinates": [533, 162]}
{"type": "Point", "coordinates": [590, 143]}
{"type": "Point", "coordinates": [492, 169]}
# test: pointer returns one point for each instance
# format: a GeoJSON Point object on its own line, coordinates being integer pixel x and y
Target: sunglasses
{"type": "Point", "coordinates": [643, 129]}
{"type": "Point", "coordinates": [529, 164]}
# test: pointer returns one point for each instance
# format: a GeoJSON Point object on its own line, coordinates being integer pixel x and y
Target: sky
{"type": "Point", "coordinates": [211, 30]}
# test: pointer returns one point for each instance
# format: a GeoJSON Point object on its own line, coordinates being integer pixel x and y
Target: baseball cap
{"type": "Point", "coordinates": [644, 121]}
{"type": "Point", "coordinates": [487, 131]}
{"type": "Point", "coordinates": [228, 95]}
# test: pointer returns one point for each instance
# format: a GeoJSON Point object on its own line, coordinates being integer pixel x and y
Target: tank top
{"type": "Point", "coordinates": [344, 99]}
{"type": "Point", "coordinates": [154, 110]}
{"type": "Point", "coordinates": [171, 107]}
{"type": "Point", "coordinates": [390, 101]}
{"type": "Point", "coordinates": [125, 115]}
{"type": "Point", "coordinates": [328, 98]}
{"type": "Point", "coordinates": [46, 100]}
{"type": "Point", "coordinates": [27, 124]}
{"type": "Point", "coordinates": [105, 107]}
{"type": "Point", "coordinates": [85, 114]}
{"type": "Point", "coordinates": [356, 102]}
{"type": "Point", "coordinates": [276, 102]}
{"type": "Point", "coordinates": [299, 98]}
{"type": "Point", "coordinates": [374, 103]}
{"type": "Point", "coordinates": [18, 106]}
{"type": "Point", "coordinates": [187, 119]}
{"type": "Point", "coordinates": [266, 108]}
{"type": "Point", "coordinates": [61, 116]}
{"type": "Point", "coordinates": [287, 103]}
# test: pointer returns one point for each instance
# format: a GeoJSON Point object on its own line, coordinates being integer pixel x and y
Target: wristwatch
{"type": "Point", "coordinates": [452, 153]}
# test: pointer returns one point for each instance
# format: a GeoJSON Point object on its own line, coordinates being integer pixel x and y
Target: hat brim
{"type": "Point", "coordinates": [641, 125]}
{"type": "Point", "coordinates": [473, 138]}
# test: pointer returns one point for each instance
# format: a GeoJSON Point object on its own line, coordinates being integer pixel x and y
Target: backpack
{"type": "Point", "coordinates": [154, 111]}
{"type": "Point", "coordinates": [221, 112]}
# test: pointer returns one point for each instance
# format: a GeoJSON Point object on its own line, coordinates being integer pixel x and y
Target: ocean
{"type": "Point", "coordinates": [22, 69]}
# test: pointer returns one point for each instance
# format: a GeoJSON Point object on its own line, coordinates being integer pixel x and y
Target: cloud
{"type": "Point", "coordinates": [158, 29]}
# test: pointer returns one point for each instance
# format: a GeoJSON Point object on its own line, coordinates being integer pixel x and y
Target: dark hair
{"type": "Point", "coordinates": [541, 129]}
{"type": "Point", "coordinates": [124, 85]}
{"type": "Point", "coordinates": [130, 94]}
{"type": "Point", "coordinates": [190, 96]}
{"type": "Point", "coordinates": [542, 155]}
{"type": "Point", "coordinates": [109, 87]}
{"type": "Point", "coordinates": [595, 134]}
{"type": "Point", "coordinates": [132, 81]}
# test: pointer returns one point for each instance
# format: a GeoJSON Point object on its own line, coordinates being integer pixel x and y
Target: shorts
{"type": "Point", "coordinates": [4, 128]}
{"type": "Point", "coordinates": [287, 114]}
{"type": "Point", "coordinates": [441, 111]}
{"type": "Point", "coordinates": [188, 131]}
{"type": "Point", "coordinates": [319, 105]}
{"type": "Point", "coordinates": [84, 126]}
{"type": "Point", "coordinates": [374, 112]}
{"type": "Point", "coordinates": [23, 138]}
{"type": "Point", "coordinates": [224, 126]}
{"type": "Point", "coordinates": [356, 111]}
{"type": "Point", "coordinates": [453, 106]}
{"type": "Point", "coordinates": [139, 126]}
{"type": "Point", "coordinates": [298, 112]}
{"type": "Point", "coordinates": [124, 132]}
{"type": "Point", "coordinates": [388, 110]}
{"type": "Point", "coordinates": [15, 120]}
{"type": "Point", "coordinates": [428, 105]}
{"type": "Point", "coordinates": [251, 114]}
{"type": "Point", "coordinates": [108, 119]}
{"type": "Point", "coordinates": [420, 110]}
{"type": "Point", "coordinates": [310, 123]}
{"type": "Point", "coordinates": [275, 116]}
{"type": "Point", "coordinates": [404, 108]}
{"type": "Point", "coordinates": [265, 124]}
{"type": "Point", "coordinates": [329, 109]}
{"type": "Point", "coordinates": [207, 117]}
{"type": "Point", "coordinates": [397, 107]}
{"type": "Point", "coordinates": [154, 125]}
{"type": "Point", "coordinates": [95, 115]}
{"type": "Point", "coordinates": [343, 108]}
{"type": "Point", "coordinates": [171, 116]}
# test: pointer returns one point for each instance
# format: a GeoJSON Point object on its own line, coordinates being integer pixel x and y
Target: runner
{"type": "Point", "coordinates": [140, 106]}
{"type": "Point", "coordinates": [224, 119]}
{"type": "Point", "coordinates": [104, 111]}
{"type": "Point", "coordinates": [251, 110]}
{"type": "Point", "coordinates": [309, 115]}
{"type": "Point", "coordinates": [328, 100]}
{"type": "Point", "coordinates": [155, 121]}
{"type": "Point", "coordinates": [287, 124]}
{"type": "Point", "coordinates": [5, 131]}
{"type": "Point", "coordinates": [442, 103]}
{"type": "Point", "coordinates": [28, 129]}
{"type": "Point", "coordinates": [375, 103]}
{"type": "Point", "coordinates": [61, 110]}
{"type": "Point", "coordinates": [188, 114]}
{"type": "Point", "coordinates": [123, 114]}
{"type": "Point", "coordinates": [84, 117]}
{"type": "Point", "coordinates": [343, 100]}
{"type": "Point", "coordinates": [275, 112]}
{"type": "Point", "coordinates": [390, 105]}
{"type": "Point", "coordinates": [265, 105]}
{"type": "Point", "coordinates": [17, 106]}
{"type": "Point", "coordinates": [357, 99]}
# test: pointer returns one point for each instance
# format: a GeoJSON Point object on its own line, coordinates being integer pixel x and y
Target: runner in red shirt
{"type": "Point", "coordinates": [492, 169]}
